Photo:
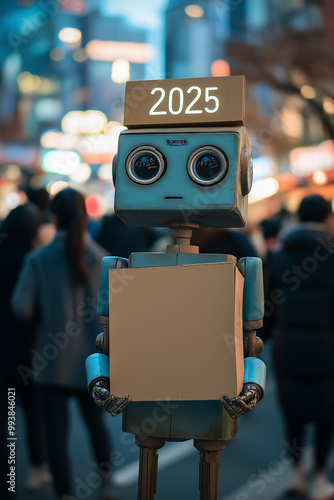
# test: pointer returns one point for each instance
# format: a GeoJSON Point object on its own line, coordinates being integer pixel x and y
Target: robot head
{"type": "Point", "coordinates": [181, 160]}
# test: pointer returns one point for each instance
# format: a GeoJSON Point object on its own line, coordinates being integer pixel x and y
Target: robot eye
{"type": "Point", "coordinates": [145, 165]}
{"type": "Point", "coordinates": [207, 166]}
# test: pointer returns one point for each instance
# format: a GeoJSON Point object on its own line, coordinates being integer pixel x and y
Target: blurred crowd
{"type": "Point", "coordinates": [50, 253]}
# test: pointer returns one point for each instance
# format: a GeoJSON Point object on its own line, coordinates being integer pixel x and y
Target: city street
{"type": "Point", "coordinates": [253, 465]}
{"type": "Point", "coordinates": [166, 175]}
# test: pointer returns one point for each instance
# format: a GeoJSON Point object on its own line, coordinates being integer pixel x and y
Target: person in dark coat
{"type": "Point", "coordinates": [121, 240]}
{"type": "Point", "coordinates": [19, 235]}
{"type": "Point", "coordinates": [300, 317]}
{"type": "Point", "coordinates": [213, 240]}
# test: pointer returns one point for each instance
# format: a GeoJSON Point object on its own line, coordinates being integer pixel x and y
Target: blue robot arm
{"type": "Point", "coordinates": [253, 311]}
{"type": "Point", "coordinates": [97, 365]}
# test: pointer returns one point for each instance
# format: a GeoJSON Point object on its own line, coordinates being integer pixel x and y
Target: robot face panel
{"type": "Point", "coordinates": [167, 176]}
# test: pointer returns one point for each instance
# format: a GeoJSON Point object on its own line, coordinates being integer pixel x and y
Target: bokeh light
{"type": "Point", "coordinates": [12, 200]}
{"type": "Point", "coordinates": [194, 10]}
{"type": "Point", "coordinates": [263, 188]}
{"type": "Point", "coordinates": [328, 105]}
{"type": "Point", "coordinates": [220, 68]}
{"type": "Point", "coordinates": [94, 206]}
{"type": "Point", "coordinates": [104, 172]}
{"type": "Point", "coordinates": [308, 92]}
{"type": "Point", "coordinates": [60, 162]}
{"type": "Point", "coordinates": [84, 122]}
{"type": "Point", "coordinates": [13, 172]}
{"type": "Point", "coordinates": [57, 54]}
{"type": "Point", "coordinates": [319, 177]}
{"type": "Point", "coordinates": [80, 55]}
{"type": "Point", "coordinates": [81, 174]}
{"type": "Point", "coordinates": [69, 35]}
{"type": "Point", "coordinates": [120, 70]}
{"type": "Point", "coordinates": [54, 187]}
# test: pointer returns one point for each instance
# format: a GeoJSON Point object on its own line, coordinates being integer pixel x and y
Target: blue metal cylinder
{"type": "Point", "coordinates": [255, 372]}
{"type": "Point", "coordinates": [97, 368]}
{"type": "Point", "coordinates": [103, 302]}
{"type": "Point", "coordinates": [253, 301]}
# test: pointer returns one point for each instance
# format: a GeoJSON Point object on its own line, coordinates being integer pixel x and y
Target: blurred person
{"type": "Point", "coordinates": [59, 286]}
{"type": "Point", "coordinates": [121, 240]}
{"type": "Point", "coordinates": [19, 235]}
{"type": "Point", "coordinates": [214, 240]}
{"type": "Point", "coordinates": [271, 229]}
{"type": "Point", "coordinates": [41, 198]}
{"type": "Point", "coordinates": [300, 317]}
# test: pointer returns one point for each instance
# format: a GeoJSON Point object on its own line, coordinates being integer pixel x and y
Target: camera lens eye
{"type": "Point", "coordinates": [207, 166]}
{"type": "Point", "coordinates": [145, 165]}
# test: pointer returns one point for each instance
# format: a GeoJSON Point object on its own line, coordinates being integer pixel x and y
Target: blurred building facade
{"type": "Point", "coordinates": [57, 57]}
{"type": "Point", "coordinates": [284, 49]}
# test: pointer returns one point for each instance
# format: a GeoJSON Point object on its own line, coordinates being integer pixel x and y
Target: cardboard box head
{"type": "Point", "coordinates": [186, 154]}
{"type": "Point", "coordinates": [198, 175]}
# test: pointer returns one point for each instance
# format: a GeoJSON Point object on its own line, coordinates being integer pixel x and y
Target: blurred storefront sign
{"type": "Point", "coordinates": [107, 50]}
{"type": "Point", "coordinates": [305, 161]}
{"type": "Point", "coordinates": [60, 162]}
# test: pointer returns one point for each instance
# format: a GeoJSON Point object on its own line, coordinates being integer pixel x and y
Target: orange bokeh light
{"type": "Point", "coordinates": [220, 68]}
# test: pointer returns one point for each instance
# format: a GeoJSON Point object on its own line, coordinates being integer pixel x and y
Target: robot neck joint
{"type": "Point", "coordinates": [182, 234]}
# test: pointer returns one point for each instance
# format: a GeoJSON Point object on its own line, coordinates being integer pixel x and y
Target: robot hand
{"type": "Point", "coordinates": [98, 382]}
{"type": "Point", "coordinates": [104, 399]}
{"type": "Point", "coordinates": [245, 402]}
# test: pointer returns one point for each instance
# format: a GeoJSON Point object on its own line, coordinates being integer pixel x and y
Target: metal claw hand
{"type": "Point", "coordinates": [245, 402]}
{"type": "Point", "coordinates": [104, 399]}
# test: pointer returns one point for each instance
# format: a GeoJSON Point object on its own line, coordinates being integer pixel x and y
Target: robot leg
{"type": "Point", "coordinates": [148, 466]}
{"type": "Point", "coordinates": [209, 468]}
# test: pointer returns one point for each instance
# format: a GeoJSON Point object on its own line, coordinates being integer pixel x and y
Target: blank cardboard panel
{"type": "Point", "coordinates": [176, 332]}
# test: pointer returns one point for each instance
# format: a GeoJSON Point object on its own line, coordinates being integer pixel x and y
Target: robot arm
{"type": "Point", "coordinates": [98, 379]}
{"type": "Point", "coordinates": [252, 391]}
{"type": "Point", "coordinates": [255, 369]}
{"type": "Point", "coordinates": [97, 365]}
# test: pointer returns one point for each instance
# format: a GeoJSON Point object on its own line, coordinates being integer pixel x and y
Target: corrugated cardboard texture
{"type": "Point", "coordinates": [176, 332]}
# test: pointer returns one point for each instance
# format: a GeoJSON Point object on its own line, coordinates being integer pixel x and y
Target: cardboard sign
{"type": "Point", "coordinates": [176, 332]}
{"type": "Point", "coordinates": [186, 101]}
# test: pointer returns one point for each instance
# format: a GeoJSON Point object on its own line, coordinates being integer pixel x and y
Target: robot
{"type": "Point", "coordinates": [183, 175]}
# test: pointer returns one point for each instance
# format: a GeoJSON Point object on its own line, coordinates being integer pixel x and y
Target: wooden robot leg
{"type": "Point", "coordinates": [148, 466]}
{"type": "Point", "coordinates": [209, 467]}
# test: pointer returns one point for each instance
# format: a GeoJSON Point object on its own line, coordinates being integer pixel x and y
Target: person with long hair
{"type": "Point", "coordinates": [59, 286]}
